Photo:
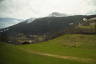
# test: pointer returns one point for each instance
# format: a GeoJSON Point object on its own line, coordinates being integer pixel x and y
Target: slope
{"type": "Point", "coordinates": [76, 45]}
{"type": "Point", "coordinates": [10, 54]}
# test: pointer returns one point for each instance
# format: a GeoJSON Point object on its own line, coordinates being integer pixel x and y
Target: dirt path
{"type": "Point", "coordinates": [59, 56]}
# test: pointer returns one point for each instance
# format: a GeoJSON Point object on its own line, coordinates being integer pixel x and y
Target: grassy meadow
{"type": "Point", "coordinates": [81, 46]}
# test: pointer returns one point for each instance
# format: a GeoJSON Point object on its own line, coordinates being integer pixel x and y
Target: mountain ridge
{"type": "Point", "coordinates": [6, 22]}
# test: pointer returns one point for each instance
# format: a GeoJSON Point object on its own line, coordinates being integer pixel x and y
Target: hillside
{"type": "Point", "coordinates": [9, 54]}
{"type": "Point", "coordinates": [40, 29]}
{"type": "Point", "coordinates": [46, 28]}
{"type": "Point", "coordinates": [75, 48]}
{"type": "Point", "coordinates": [68, 44]}
{"type": "Point", "coordinates": [47, 24]}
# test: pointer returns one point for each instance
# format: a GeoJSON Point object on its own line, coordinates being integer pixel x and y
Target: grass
{"type": "Point", "coordinates": [76, 45]}
{"type": "Point", "coordinates": [9, 54]}
{"type": "Point", "coordinates": [88, 27]}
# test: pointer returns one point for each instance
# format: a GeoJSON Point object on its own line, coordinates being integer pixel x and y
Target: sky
{"type": "Point", "coordinates": [24, 9]}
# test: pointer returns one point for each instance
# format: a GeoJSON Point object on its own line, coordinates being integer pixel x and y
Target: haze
{"type": "Point", "coordinates": [24, 9]}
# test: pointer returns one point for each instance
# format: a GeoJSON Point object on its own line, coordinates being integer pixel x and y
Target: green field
{"type": "Point", "coordinates": [80, 46]}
